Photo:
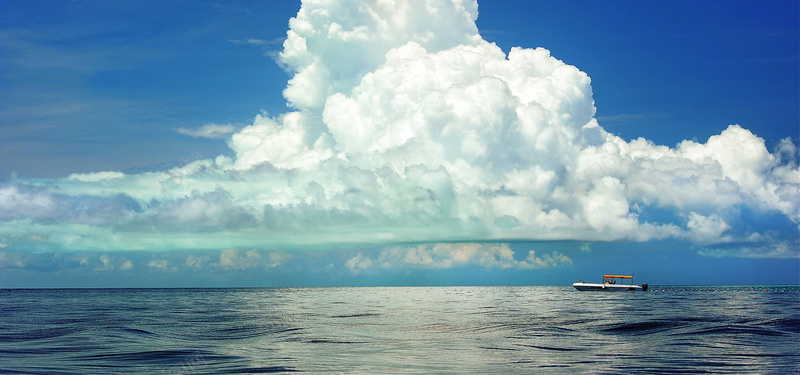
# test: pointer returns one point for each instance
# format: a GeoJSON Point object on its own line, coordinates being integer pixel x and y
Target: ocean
{"type": "Point", "coordinates": [427, 330]}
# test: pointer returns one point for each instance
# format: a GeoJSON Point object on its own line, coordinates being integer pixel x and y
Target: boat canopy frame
{"type": "Point", "coordinates": [607, 279]}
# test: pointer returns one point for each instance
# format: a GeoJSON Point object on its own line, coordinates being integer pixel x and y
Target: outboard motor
{"type": "Point", "coordinates": [644, 287]}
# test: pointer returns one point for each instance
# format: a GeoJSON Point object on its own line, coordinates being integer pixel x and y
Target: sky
{"type": "Point", "coordinates": [438, 142]}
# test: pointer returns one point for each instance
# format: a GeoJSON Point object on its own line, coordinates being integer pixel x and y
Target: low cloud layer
{"type": "Point", "coordinates": [451, 255]}
{"type": "Point", "coordinates": [392, 264]}
{"type": "Point", "coordinates": [406, 126]}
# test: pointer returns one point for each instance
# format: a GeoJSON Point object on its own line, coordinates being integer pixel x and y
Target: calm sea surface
{"type": "Point", "coordinates": [400, 330]}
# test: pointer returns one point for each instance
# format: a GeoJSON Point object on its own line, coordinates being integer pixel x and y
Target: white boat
{"type": "Point", "coordinates": [610, 284]}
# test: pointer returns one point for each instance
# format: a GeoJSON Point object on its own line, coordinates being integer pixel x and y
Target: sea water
{"type": "Point", "coordinates": [509, 330]}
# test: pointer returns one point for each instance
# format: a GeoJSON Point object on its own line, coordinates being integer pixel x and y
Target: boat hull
{"type": "Point", "coordinates": [607, 287]}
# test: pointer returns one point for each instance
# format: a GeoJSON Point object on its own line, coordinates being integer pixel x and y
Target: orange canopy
{"type": "Point", "coordinates": [617, 277]}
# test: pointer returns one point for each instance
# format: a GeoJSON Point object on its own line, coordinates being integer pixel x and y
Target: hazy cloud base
{"type": "Point", "coordinates": [407, 127]}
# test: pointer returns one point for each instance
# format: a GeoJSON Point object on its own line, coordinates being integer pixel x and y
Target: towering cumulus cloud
{"type": "Point", "coordinates": [406, 126]}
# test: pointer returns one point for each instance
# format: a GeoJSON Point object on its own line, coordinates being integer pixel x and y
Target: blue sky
{"type": "Point", "coordinates": [192, 144]}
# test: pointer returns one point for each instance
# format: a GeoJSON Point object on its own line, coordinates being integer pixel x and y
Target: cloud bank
{"type": "Point", "coordinates": [449, 255]}
{"type": "Point", "coordinates": [406, 126]}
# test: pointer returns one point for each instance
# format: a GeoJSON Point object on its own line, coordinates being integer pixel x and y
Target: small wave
{"type": "Point", "coordinates": [642, 328]}
{"type": "Point", "coordinates": [498, 348]}
{"type": "Point", "coordinates": [552, 348]}
{"type": "Point", "coordinates": [258, 370]}
{"type": "Point", "coordinates": [231, 332]}
{"type": "Point", "coordinates": [734, 330]}
{"type": "Point", "coordinates": [701, 319]}
{"type": "Point", "coordinates": [362, 315]}
{"type": "Point", "coordinates": [329, 341]}
{"type": "Point", "coordinates": [39, 334]}
{"type": "Point", "coordinates": [241, 332]}
{"type": "Point", "coordinates": [158, 357]}
{"type": "Point", "coordinates": [138, 331]}
{"type": "Point", "coordinates": [790, 325]}
{"type": "Point", "coordinates": [292, 329]}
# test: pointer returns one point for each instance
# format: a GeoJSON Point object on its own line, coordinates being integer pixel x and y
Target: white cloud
{"type": "Point", "coordinates": [252, 41]}
{"type": "Point", "coordinates": [323, 30]}
{"type": "Point", "coordinates": [12, 260]}
{"type": "Point", "coordinates": [105, 263]}
{"type": "Point", "coordinates": [213, 131]}
{"type": "Point", "coordinates": [710, 228]}
{"type": "Point", "coordinates": [108, 263]}
{"type": "Point", "coordinates": [288, 144]}
{"type": "Point", "coordinates": [359, 263]}
{"type": "Point", "coordinates": [24, 202]}
{"type": "Point", "coordinates": [772, 249]}
{"type": "Point", "coordinates": [162, 265]}
{"type": "Point", "coordinates": [554, 259]}
{"type": "Point", "coordinates": [126, 265]}
{"type": "Point", "coordinates": [420, 132]}
{"type": "Point", "coordinates": [277, 258]}
{"type": "Point", "coordinates": [231, 259]}
{"type": "Point", "coordinates": [197, 261]}
{"type": "Point", "coordinates": [95, 177]}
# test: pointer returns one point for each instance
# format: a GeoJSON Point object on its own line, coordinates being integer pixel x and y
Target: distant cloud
{"type": "Point", "coordinates": [632, 118]}
{"type": "Point", "coordinates": [58, 262]}
{"type": "Point", "coordinates": [161, 265]}
{"type": "Point", "coordinates": [106, 264]}
{"type": "Point", "coordinates": [707, 228]}
{"type": "Point", "coordinates": [270, 48]}
{"type": "Point", "coordinates": [554, 259]}
{"type": "Point", "coordinates": [452, 255]}
{"type": "Point", "coordinates": [126, 265]}
{"type": "Point", "coordinates": [24, 201]}
{"type": "Point", "coordinates": [197, 261]}
{"type": "Point", "coordinates": [258, 42]}
{"type": "Point", "coordinates": [225, 7]}
{"type": "Point", "coordinates": [10, 259]}
{"type": "Point", "coordinates": [212, 131]}
{"type": "Point", "coordinates": [95, 177]}
{"type": "Point", "coordinates": [230, 259]}
{"type": "Point", "coordinates": [359, 263]}
{"type": "Point", "coordinates": [761, 249]}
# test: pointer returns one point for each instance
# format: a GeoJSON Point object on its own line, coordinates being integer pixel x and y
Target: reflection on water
{"type": "Point", "coordinates": [389, 330]}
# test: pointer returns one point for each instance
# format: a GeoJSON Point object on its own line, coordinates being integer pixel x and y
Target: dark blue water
{"type": "Point", "coordinates": [400, 330]}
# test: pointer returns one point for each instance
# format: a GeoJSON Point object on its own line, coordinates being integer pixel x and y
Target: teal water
{"type": "Point", "coordinates": [680, 329]}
